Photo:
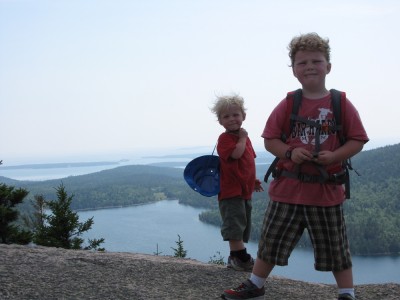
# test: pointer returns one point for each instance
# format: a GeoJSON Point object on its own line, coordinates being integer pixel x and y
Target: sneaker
{"type": "Point", "coordinates": [236, 264]}
{"type": "Point", "coordinates": [346, 297]}
{"type": "Point", "coordinates": [247, 290]}
{"type": "Point", "coordinates": [229, 263]}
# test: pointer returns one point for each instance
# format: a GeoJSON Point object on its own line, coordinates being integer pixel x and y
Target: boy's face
{"type": "Point", "coordinates": [311, 68]}
{"type": "Point", "coordinates": [232, 118]}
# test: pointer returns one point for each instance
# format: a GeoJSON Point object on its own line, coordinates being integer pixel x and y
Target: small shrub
{"type": "Point", "coordinates": [217, 259]}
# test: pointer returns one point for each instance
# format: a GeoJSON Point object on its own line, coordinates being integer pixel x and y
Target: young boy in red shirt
{"type": "Point", "coordinates": [237, 180]}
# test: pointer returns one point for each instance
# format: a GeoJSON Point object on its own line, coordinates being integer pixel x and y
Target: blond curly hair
{"type": "Point", "coordinates": [223, 102]}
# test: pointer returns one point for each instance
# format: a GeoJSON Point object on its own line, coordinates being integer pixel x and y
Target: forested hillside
{"type": "Point", "coordinates": [122, 186]}
{"type": "Point", "coordinates": [372, 213]}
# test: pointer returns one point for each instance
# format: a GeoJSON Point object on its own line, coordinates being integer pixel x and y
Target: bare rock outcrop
{"type": "Point", "coordinates": [52, 273]}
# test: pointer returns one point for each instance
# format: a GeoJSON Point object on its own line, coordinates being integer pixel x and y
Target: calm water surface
{"type": "Point", "coordinates": [141, 229]}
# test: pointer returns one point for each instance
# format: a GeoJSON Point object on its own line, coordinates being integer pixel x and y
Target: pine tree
{"type": "Point", "coordinates": [9, 231]}
{"type": "Point", "coordinates": [35, 220]}
{"type": "Point", "coordinates": [179, 252]}
{"type": "Point", "coordinates": [61, 228]}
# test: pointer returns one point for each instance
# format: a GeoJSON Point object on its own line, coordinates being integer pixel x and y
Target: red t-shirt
{"type": "Point", "coordinates": [294, 191]}
{"type": "Point", "coordinates": [237, 176]}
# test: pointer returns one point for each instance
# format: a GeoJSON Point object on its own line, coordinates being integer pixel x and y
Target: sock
{"type": "Point", "coordinates": [241, 254]}
{"type": "Point", "coordinates": [347, 291]}
{"type": "Point", "coordinates": [257, 281]}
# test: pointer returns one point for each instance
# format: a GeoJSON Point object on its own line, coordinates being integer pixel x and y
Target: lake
{"type": "Point", "coordinates": [141, 229]}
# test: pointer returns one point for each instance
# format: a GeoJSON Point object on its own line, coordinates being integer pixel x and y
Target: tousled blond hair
{"type": "Point", "coordinates": [223, 102]}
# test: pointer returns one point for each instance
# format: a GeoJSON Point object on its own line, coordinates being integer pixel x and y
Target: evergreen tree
{"type": "Point", "coordinates": [179, 251]}
{"type": "Point", "coordinates": [61, 228]}
{"type": "Point", "coordinates": [35, 220]}
{"type": "Point", "coordinates": [9, 231]}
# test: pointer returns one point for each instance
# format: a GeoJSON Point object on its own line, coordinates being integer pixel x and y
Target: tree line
{"type": "Point", "coordinates": [372, 213]}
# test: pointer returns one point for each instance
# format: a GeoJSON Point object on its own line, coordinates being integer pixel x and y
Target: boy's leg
{"type": "Point", "coordinates": [344, 278]}
{"type": "Point", "coordinates": [253, 288]}
{"type": "Point", "coordinates": [236, 224]}
{"type": "Point", "coordinates": [277, 231]}
{"type": "Point", "coordinates": [261, 271]}
{"type": "Point", "coordinates": [344, 281]}
{"type": "Point", "coordinates": [244, 225]}
{"type": "Point", "coordinates": [327, 229]}
{"type": "Point", "coordinates": [234, 221]}
{"type": "Point", "coordinates": [236, 245]}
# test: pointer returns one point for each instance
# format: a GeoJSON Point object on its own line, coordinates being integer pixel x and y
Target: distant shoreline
{"type": "Point", "coordinates": [61, 165]}
{"type": "Point", "coordinates": [120, 206]}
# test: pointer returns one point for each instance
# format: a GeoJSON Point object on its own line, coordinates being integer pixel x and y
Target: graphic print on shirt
{"type": "Point", "coordinates": [306, 132]}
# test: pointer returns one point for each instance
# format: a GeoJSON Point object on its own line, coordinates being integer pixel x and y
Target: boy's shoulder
{"type": "Point", "coordinates": [298, 94]}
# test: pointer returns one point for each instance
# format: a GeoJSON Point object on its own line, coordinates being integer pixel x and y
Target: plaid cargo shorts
{"type": "Point", "coordinates": [284, 224]}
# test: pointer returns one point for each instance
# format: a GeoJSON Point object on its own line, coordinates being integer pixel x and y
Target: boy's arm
{"type": "Point", "coordinates": [299, 155]}
{"type": "Point", "coordinates": [349, 149]}
{"type": "Point", "coordinates": [240, 145]}
{"type": "Point", "coordinates": [279, 149]}
{"type": "Point", "coordinates": [276, 147]}
{"type": "Point", "coordinates": [258, 187]}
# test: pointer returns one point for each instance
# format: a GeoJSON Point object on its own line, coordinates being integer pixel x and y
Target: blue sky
{"type": "Point", "coordinates": [103, 78]}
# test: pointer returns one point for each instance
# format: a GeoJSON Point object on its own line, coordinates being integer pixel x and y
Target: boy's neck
{"type": "Point", "coordinates": [233, 131]}
{"type": "Point", "coordinates": [315, 94]}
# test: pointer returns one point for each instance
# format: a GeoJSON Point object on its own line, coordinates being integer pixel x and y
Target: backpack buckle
{"type": "Point", "coordinates": [276, 173]}
{"type": "Point", "coordinates": [338, 178]}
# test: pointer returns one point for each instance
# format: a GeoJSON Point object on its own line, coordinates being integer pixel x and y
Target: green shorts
{"type": "Point", "coordinates": [284, 225]}
{"type": "Point", "coordinates": [236, 219]}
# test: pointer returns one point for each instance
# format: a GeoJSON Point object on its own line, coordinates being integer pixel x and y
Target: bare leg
{"type": "Point", "coordinates": [261, 268]}
{"type": "Point", "coordinates": [344, 279]}
{"type": "Point", "coordinates": [236, 245]}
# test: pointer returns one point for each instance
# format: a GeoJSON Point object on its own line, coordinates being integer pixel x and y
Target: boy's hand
{"type": "Point", "coordinates": [258, 187]}
{"type": "Point", "coordinates": [300, 155]}
{"type": "Point", "coordinates": [243, 133]}
{"type": "Point", "coordinates": [325, 158]}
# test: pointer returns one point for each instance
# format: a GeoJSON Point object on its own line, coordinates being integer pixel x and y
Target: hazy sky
{"type": "Point", "coordinates": [88, 78]}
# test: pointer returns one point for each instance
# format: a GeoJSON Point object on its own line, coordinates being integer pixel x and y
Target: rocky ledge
{"type": "Point", "coordinates": [52, 273]}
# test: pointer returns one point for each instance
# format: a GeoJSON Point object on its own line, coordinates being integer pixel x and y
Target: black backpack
{"type": "Point", "coordinates": [338, 99]}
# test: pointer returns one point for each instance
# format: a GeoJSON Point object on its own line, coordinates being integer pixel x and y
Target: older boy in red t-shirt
{"type": "Point", "coordinates": [297, 205]}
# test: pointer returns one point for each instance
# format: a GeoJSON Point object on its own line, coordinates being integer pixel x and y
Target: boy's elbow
{"type": "Point", "coordinates": [357, 145]}
{"type": "Point", "coordinates": [268, 144]}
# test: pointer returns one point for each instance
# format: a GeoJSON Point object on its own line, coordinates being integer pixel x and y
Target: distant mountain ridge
{"type": "Point", "coordinates": [59, 165]}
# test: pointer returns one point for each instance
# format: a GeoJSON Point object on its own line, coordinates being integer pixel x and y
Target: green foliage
{"type": "Point", "coordinates": [217, 259]}
{"type": "Point", "coordinates": [61, 228]}
{"type": "Point", "coordinates": [35, 220]}
{"type": "Point", "coordinates": [119, 187]}
{"type": "Point", "coordinates": [372, 213]}
{"type": "Point", "coordinates": [9, 231]}
{"type": "Point", "coordinates": [157, 251]}
{"type": "Point", "coordinates": [179, 251]}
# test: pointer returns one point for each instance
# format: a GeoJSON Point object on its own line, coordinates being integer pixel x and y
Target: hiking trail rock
{"type": "Point", "coordinates": [54, 273]}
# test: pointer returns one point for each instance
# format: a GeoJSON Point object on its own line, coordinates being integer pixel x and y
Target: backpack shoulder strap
{"type": "Point", "coordinates": [292, 109]}
{"type": "Point", "coordinates": [339, 106]}
{"type": "Point", "coordinates": [293, 100]}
